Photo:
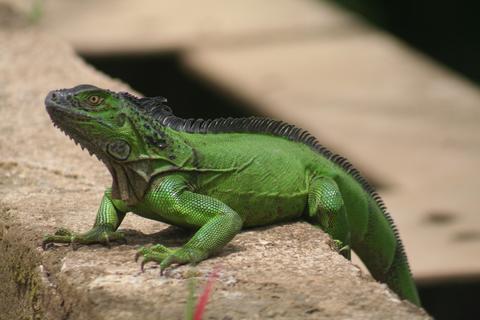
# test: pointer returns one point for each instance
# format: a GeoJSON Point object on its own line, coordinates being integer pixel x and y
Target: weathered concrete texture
{"type": "Point", "coordinates": [284, 272]}
{"type": "Point", "coordinates": [403, 120]}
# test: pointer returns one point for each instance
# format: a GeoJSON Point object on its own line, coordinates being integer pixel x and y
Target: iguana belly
{"type": "Point", "coordinates": [264, 209]}
{"type": "Point", "coordinates": [260, 203]}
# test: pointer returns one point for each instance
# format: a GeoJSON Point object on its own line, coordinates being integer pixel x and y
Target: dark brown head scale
{"type": "Point", "coordinates": [156, 107]}
{"type": "Point", "coordinates": [153, 106]}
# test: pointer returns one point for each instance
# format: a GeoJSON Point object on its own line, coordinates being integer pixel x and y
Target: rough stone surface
{"type": "Point", "coordinates": [284, 272]}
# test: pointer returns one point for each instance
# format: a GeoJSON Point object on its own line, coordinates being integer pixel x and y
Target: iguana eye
{"type": "Point", "coordinates": [94, 100]}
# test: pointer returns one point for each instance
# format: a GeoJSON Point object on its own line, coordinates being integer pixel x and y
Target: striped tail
{"type": "Point", "coordinates": [381, 250]}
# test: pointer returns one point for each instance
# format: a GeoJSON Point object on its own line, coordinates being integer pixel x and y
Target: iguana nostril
{"type": "Point", "coordinates": [52, 96]}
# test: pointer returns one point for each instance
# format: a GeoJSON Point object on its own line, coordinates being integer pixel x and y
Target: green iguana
{"type": "Point", "coordinates": [219, 176]}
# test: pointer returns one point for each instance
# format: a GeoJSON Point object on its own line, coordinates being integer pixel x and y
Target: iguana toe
{"type": "Point", "coordinates": [166, 257]}
{"type": "Point", "coordinates": [155, 253]}
{"type": "Point", "coordinates": [174, 258]}
{"type": "Point", "coordinates": [63, 232]}
{"type": "Point", "coordinates": [49, 240]}
{"type": "Point", "coordinates": [183, 256]}
{"type": "Point", "coordinates": [104, 237]}
{"type": "Point", "coordinates": [344, 250]}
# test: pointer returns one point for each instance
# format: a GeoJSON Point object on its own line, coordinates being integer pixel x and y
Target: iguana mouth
{"type": "Point", "coordinates": [56, 110]}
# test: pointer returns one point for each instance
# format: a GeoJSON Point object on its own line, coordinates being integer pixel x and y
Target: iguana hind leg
{"type": "Point", "coordinates": [217, 223]}
{"type": "Point", "coordinates": [104, 230]}
{"type": "Point", "coordinates": [326, 209]}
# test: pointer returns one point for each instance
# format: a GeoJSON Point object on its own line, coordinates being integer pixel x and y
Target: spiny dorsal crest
{"type": "Point", "coordinates": [154, 107]}
{"type": "Point", "coordinates": [158, 110]}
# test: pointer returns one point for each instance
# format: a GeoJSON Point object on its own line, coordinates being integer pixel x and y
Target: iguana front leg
{"type": "Point", "coordinates": [104, 230]}
{"type": "Point", "coordinates": [327, 210]}
{"type": "Point", "coordinates": [217, 222]}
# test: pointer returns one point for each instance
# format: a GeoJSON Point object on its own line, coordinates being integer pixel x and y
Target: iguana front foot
{"type": "Point", "coordinates": [165, 257]}
{"type": "Point", "coordinates": [96, 235]}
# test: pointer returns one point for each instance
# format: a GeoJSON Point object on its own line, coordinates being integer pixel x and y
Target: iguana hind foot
{"type": "Point", "coordinates": [165, 257]}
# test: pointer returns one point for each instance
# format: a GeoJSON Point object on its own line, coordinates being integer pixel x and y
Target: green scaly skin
{"type": "Point", "coordinates": [220, 180]}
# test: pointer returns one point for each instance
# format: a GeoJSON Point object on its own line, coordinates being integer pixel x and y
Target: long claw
{"type": "Point", "coordinates": [164, 266]}
{"type": "Point", "coordinates": [46, 244]}
{"type": "Point", "coordinates": [166, 263]}
{"type": "Point", "coordinates": [107, 242]}
{"type": "Point", "coordinates": [137, 255]}
{"type": "Point", "coordinates": [164, 256]}
{"type": "Point", "coordinates": [144, 262]}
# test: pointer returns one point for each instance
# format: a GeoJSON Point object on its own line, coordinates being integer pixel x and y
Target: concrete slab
{"type": "Point", "coordinates": [285, 272]}
{"type": "Point", "coordinates": [405, 121]}
{"type": "Point", "coordinates": [153, 25]}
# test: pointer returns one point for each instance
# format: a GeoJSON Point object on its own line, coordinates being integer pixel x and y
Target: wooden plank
{"type": "Point", "coordinates": [404, 120]}
{"type": "Point", "coordinates": [152, 25]}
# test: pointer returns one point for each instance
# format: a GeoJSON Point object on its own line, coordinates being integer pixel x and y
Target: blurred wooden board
{"type": "Point", "coordinates": [407, 122]}
{"type": "Point", "coordinates": [147, 25]}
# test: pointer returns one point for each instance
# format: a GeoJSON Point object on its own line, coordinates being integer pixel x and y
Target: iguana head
{"type": "Point", "coordinates": [123, 131]}
{"type": "Point", "coordinates": [113, 126]}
